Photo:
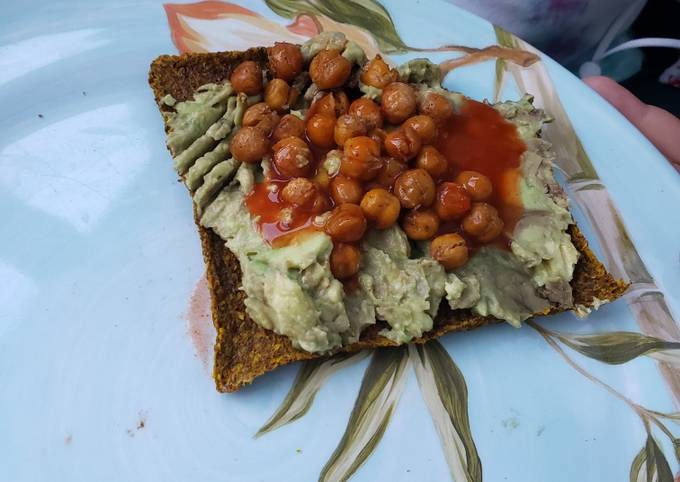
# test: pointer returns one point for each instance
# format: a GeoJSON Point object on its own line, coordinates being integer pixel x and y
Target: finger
{"type": "Point", "coordinates": [659, 126]}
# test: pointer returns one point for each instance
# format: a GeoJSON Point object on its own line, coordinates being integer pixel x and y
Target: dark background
{"type": "Point", "coordinates": [659, 18]}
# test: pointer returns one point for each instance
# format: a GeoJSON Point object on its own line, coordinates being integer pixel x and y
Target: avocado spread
{"type": "Point", "coordinates": [291, 289]}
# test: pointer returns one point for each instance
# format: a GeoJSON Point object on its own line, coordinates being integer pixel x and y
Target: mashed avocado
{"type": "Point", "coordinates": [540, 239]}
{"type": "Point", "coordinates": [405, 291]}
{"type": "Point", "coordinates": [291, 289]}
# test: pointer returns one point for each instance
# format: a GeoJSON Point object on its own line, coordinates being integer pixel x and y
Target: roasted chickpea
{"type": "Point", "coordinates": [380, 208]}
{"type": "Point", "coordinates": [361, 159]}
{"type": "Point", "coordinates": [452, 201]}
{"type": "Point", "coordinates": [285, 60]}
{"type": "Point", "coordinates": [300, 192]}
{"type": "Point", "coordinates": [398, 102]}
{"type": "Point", "coordinates": [344, 260]}
{"type": "Point", "coordinates": [276, 94]}
{"type": "Point", "coordinates": [424, 127]}
{"type": "Point", "coordinates": [420, 224]}
{"type": "Point", "coordinates": [368, 111]}
{"type": "Point", "coordinates": [377, 73]}
{"type": "Point", "coordinates": [435, 105]}
{"type": "Point", "coordinates": [333, 104]}
{"type": "Point", "coordinates": [249, 144]}
{"type": "Point", "coordinates": [293, 158]}
{"type": "Point", "coordinates": [288, 126]}
{"type": "Point", "coordinates": [402, 143]}
{"type": "Point", "coordinates": [329, 69]}
{"type": "Point", "coordinates": [247, 78]}
{"type": "Point", "coordinates": [432, 161]}
{"type": "Point", "coordinates": [414, 188]}
{"type": "Point", "coordinates": [346, 223]}
{"type": "Point", "coordinates": [344, 189]}
{"type": "Point", "coordinates": [450, 250]}
{"type": "Point", "coordinates": [476, 185]}
{"type": "Point", "coordinates": [255, 113]}
{"type": "Point", "coordinates": [348, 126]}
{"type": "Point", "coordinates": [261, 116]}
{"type": "Point", "coordinates": [320, 130]}
{"type": "Point", "coordinates": [389, 172]}
{"type": "Point", "coordinates": [483, 222]}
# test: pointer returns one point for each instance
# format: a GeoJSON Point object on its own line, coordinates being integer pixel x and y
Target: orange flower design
{"type": "Point", "coordinates": [213, 26]}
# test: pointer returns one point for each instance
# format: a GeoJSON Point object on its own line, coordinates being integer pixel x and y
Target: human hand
{"type": "Point", "coordinates": [658, 125]}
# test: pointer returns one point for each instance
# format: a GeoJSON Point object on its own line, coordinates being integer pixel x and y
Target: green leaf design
{"type": "Point", "coordinates": [657, 466]}
{"type": "Point", "coordinates": [310, 377]}
{"type": "Point", "coordinates": [380, 390]}
{"type": "Point", "coordinates": [443, 387]}
{"type": "Point", "coordinates": [505, 38]}
{"type": "Point", "coordinates": [638, 469]}
{"type": "Point", "coordinates": [650, 464]}
{"type": "Point", "coordinates": [676, 448]}
{"type": "Point", "coordinates": [367, 14]}
{"type": "Point", "coordinates": [618, 347]}
{"type": "Point", "coordinates": [673, 416]}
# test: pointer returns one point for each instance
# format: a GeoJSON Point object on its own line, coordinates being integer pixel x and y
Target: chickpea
{"type": "Point", "coordinates": [432, 161]}
{"type": "Point", "coordinates": [247, 78]}
{"type": "Point", "coordinates": [256, 113]}
{"type": "Point", "coordinates": [414, 188]}
{"type": "Point", "coordinates": [276, 94]}
{"type": "Point", "coordinates": [285, 60]}
{"type": "Point", "coordinates": [346, 223]}
{"type": "Point", "coordinates": [345, 260]}
{"type": "Point", "coordinates": [344, 189]}
{"type": "Point", "coordinates": [420, 224]}
{"type": "Point", "coordinates": [333, 104]}
{"type": "Point", "coordinates": [380, 208]}
{"type": "Point", "coordinates": [378, 135]}
{"type": "Point", "coordinates": [398, 102]}
{"type": "Point", "coordinates": [300, 192]}
{"type": "Point", "coordinates": [249, 145]}
{"type": "Point", "coordinates": [402, 143]}
{"type": "Point", "coordinates": [261, 116]}
{"type": "Point", "coordinates": [321, 203]}
{"type": "Point", "coordinates": [329, 69]}
{"type": "Point", "coordinates": [476, 185]}
{"type": "Point", "coordinates": [483, 222]}
{"type": "Point", "coordinates": [452, 201]}
{"type": "Point", "coordinates": [368, 111]}
{"type": "Point", "coordinates": [288, 126]}
{"type": "Point", "coordinates": [377, 73]}
{"type": "Point", "coordinates": [293, 158]}
{"type": "Point", "coordinates": [361, 158]}
{"type": "Point", "coordinates": [436, 106]}
{"type": "Point", "coordinates": [450, 250]}
{"type": "Point", "coordinates": [390, 172]}
{"type": "Point", "coordinates": [424, 127]}
{"type": "Point", "coordinates": [320, 130]}
{"type": "Point", "coordinates": [348, 126]}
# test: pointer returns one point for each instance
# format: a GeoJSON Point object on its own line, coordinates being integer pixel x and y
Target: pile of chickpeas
{"type": "Point", "coordinates": [389, 171]}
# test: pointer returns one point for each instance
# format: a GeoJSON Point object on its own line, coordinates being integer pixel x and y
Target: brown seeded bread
{"type": "Point", "coordinates": [244, 350]}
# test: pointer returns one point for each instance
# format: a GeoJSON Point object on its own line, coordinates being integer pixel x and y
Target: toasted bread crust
{"type": "Point", "coordinates": [243, 349]}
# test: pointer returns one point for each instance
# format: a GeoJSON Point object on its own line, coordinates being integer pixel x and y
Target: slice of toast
{"type": "Point", "coordinates": [243, 349]}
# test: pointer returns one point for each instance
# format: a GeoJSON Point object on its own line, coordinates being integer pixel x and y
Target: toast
{"type": "Point", "coordinates": [243, 349]}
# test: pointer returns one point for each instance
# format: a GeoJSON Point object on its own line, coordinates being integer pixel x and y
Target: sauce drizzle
{"type": "Point", "coordinates": [479, 139]}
